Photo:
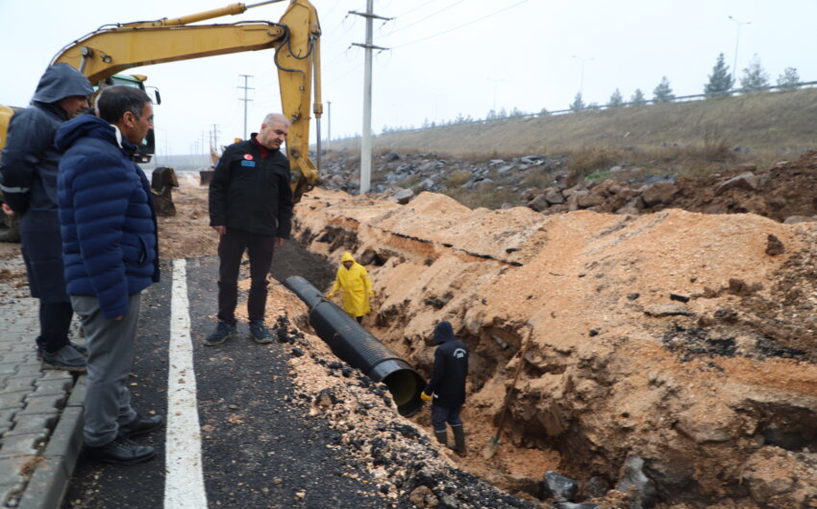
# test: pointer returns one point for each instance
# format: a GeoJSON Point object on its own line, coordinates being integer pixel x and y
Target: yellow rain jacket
{"type": "Point", "coordinates": [355, 285]}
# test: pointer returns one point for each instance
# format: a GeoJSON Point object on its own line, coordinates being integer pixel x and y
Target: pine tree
{"type": "Point", "coordinates": [663, 93]}
{"type": "Point", "coordinates": [754, 77]}
{"type": "Point", "coordinates": [789, 79]}
{"type": "Point", "coordinates": [577, 104]}
{"type": "Point", "coordinates": [720, 81]}
{"type": "Point", "coordinates": [615, 100]}
{"type": "Point", "coordinates": [638, 98]}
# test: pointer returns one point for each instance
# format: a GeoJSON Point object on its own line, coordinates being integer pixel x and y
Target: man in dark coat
{"type": "Point", "coordinates": [448, 385]}
{"type": "Point", "coordinates": [110, 248]}
{"type": "Point", "coordinates": [29, 185]}
{"type": "Point", "coordinates": [251, 209]}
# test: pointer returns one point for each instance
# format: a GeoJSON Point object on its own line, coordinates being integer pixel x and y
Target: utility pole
{"type": "Point", "coordinates": [737, 43]}
{"type": "Point", "coordinates": [245, 99]}
{"type": "Point", "coordinates": [581, 73]}
{"type": "Point", "coordinates": [215, 137]}
{"type": "Point", "coordinates": [329, 121]}
{"type": "Point", "coordinates": [366, 141]}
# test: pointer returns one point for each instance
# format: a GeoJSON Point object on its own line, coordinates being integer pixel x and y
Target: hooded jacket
{"type": "Point", "coordinates": [450, 368]}
{"type": "Point", "coordinates": [29, 166]}
{"type": "Point", "coordinates": [28, 178]}
{"type": "Point", "coordinates": [108, 225]}
{"type": "Point", "coordinates": [355, 285]}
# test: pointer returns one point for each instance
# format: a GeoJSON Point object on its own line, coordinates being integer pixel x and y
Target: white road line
{"type": "Point", "coordinates": [184, 483]}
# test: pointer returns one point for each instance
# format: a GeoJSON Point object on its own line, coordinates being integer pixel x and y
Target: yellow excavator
{"type": "Point", "coordinates": [103, 54]}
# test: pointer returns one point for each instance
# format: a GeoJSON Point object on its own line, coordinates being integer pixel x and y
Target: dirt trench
{"type": "Point", "coordinates": [679, 338]}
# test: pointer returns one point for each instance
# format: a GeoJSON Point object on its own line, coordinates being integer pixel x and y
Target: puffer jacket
{"type": "Point", "coordinates": [108, 224]}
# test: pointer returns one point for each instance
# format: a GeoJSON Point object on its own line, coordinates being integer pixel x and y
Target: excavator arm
{"type": "Point", "coordinates": [296, 39]}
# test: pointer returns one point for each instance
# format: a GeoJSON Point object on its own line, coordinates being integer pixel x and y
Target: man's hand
{"type": "Point", "coordinates": [7, 210]}
{"type": "Point", "coordinates": [279, 241]}
{"type": "Point", "coordinates": [222, 230]}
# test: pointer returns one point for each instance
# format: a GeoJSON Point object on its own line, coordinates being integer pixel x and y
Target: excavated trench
{"type": "Point", "coordinates": [489, 349]}
{"type": "Point", "coordinates": [662, 411]}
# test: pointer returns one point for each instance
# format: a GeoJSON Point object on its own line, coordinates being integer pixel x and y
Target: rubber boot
{"type": "Point", "coordinates": [442, 436]}
{"type": "Point", "coordinates": [459, 440]}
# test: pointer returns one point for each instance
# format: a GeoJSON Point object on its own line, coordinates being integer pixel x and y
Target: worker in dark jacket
{"type": "Point", "coordinates": [111, 254]}
{"type": "Point", "coordinates": [29, 185]}
{"type": "Point", "coordinates": [447, 387]}
{"type": "Point", "coordinates": [251, 209]}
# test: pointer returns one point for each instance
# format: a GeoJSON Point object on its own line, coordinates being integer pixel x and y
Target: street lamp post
{"type": "Point", "coordinates": [737, 44]}
{"type": "Point", "coordinates": [495, 81]}
{"type": "Point", "coordinates": [581, 75]}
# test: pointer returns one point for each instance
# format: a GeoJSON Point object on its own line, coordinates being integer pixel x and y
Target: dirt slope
{"type": "Point", "coordinates": [685, 339]}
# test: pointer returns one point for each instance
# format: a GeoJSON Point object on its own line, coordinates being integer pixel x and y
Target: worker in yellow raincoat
{"type": "Point", "coordinates": [355, 287]}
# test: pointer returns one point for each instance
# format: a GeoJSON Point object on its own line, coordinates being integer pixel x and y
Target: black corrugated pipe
{"type": "Point", "coordinates": [355, 345]}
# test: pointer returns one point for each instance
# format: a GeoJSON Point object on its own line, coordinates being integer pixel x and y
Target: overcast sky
{"type": "Point", "coordinates": [447, 57]}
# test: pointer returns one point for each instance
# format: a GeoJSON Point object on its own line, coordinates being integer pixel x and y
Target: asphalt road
{"type": "Point", "coordinates": [258, 449]}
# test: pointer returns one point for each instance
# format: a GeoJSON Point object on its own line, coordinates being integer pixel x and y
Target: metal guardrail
{"type": "Point", "coordinates": [647, 102]}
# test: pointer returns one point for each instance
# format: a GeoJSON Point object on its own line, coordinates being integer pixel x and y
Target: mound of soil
{"type": "Point", "coordinates": [680, 341]}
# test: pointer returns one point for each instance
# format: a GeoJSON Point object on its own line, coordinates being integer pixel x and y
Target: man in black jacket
{"type": "Point", "coordinates": [28, 177]}
{"type": "Point", "coordinates": [251, 209]}
{"type": "Point", "coordinates": [448, 385]}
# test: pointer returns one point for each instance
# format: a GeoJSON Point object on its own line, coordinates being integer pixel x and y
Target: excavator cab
{"type": "Point", "coordinates": [145, 151]}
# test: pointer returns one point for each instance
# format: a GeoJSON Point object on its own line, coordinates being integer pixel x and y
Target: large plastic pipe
{"type": "Point", "coordinates": [355, 345]}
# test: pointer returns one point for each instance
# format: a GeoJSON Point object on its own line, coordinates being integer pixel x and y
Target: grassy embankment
{"type": "Point", "coordinates": [686, 138]}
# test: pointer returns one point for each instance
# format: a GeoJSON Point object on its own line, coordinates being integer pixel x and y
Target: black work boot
{"type": "Point", "coordinates": [67, 358]}
{"type": "Point", "coordinates": [140, 426]}
{"type": "Point", "coordinates": [259, 332]}
{"type": "Point", "coordinates": [459, 440]}
{"type": "Point", "coordinates": [442, 436]}
{"type": "Point", "coordinates": [121, 451]}
{"type": "Point", "coordinates": [223, 332]}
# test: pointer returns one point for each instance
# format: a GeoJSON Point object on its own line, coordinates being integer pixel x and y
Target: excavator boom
{"type": "Point", "coordinates": [296, 39]}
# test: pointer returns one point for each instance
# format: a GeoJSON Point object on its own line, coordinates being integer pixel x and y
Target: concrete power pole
{"type": "Point", "coordinates": [215, 137]}
{"type": "Point", "coordinates": [329, 121]}
{"type": "Point", "coordinates": [245, 99]}
{"type": "Point", "coordinates": [366, 141]}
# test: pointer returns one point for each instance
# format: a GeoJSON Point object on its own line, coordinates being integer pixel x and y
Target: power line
{"type": "Point", "coordinates": [423, 19]}
{"type": "Point", "coordinates": [460, 26]}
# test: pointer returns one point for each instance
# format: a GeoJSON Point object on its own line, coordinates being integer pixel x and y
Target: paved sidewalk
{"type": "Point", "coordinates": [40, 415]}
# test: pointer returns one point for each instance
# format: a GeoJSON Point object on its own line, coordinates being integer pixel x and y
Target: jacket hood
{"type": "Point", "coordinates": [347, 257]}
{"type": "Point", "coordinates": [82, 126]}
{"type": "Point", "coordinates": [60, 81]}
{"type": "Point", "coordinates": [443, 332]}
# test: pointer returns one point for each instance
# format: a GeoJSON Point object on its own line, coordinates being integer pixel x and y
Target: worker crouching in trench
{"type": "Point", "coordinates": [355, 286]}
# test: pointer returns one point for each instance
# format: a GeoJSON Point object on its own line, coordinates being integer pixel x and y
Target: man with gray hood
{"type": "Point", "coordinates": [28, 179]}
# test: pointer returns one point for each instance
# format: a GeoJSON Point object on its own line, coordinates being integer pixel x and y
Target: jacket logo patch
{"type": "Point", "coordinates": [459, 353]}
{"type": "Point", "coordinates": [248, 164]}
{"type": "Point", "coordinates": [248, 157]}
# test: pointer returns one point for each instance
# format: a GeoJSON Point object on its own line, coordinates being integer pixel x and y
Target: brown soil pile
{"type": "Point", "coordinates": [682, 338]}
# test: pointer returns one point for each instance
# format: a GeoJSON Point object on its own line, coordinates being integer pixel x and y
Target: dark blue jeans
{"type": "Point", "coordinates": [441, 415]}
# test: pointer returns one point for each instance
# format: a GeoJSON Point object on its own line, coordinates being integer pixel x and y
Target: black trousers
{"type": "Point", "coordinates": [231, 247]}
{"type": "Point", "coordinates": [55, 320]}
